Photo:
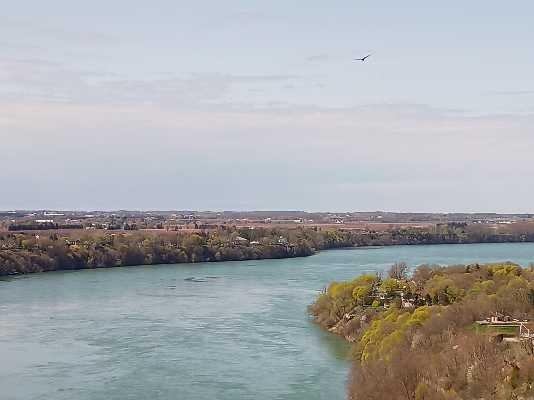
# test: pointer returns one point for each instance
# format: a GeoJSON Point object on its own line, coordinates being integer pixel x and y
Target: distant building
{"type": "Point", "coordinates": [500, 319]}
{"type": "Point", "coordinates": [240, 240]}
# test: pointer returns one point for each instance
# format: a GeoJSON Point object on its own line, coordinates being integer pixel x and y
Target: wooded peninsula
{"type": "Point", "coordinates": [49, 250]}
{"type": "Point", "coordinates": [440, 333]}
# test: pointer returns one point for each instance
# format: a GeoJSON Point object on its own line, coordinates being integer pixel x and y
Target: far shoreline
{"type": "Point", "coordinates": [317, 252]}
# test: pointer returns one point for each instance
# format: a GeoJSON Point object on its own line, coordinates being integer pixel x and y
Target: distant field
{"type": "Point", "coordinates": [376, 226]}
{"type": "Point", "coordinates": [524, 227]}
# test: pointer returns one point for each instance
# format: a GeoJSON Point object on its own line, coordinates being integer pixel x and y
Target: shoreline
{"type": "Point", "coordinates": [316, 252]}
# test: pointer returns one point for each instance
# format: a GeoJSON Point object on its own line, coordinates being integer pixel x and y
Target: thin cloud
{"type": "Point", "coordinates": [370, 154]}
{"type": "Point", "coordinates": [31, 79]}
{"type": "Point", "coordinates": [318, 57]}
{"type": "Point", "coordinates": [512, 92]}
{"type": "Point", "coordinates": [42, 30]}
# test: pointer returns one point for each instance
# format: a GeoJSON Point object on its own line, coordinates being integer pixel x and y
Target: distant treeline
{"type": "Point", "coordinates": [36, 251]}
{"type": "Point", "coordinates": [41, 226]}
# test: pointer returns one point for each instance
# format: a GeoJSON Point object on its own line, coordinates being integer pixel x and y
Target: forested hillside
{"type": "Point", "coordinates": [47, 250]}
{"type": "Point", "coordinates": [416, 336]}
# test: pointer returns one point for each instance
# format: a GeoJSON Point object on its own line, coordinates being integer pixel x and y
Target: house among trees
{"type": "Point", "coordinates": [283, 241]}
{"type": "Point", "coordinates": [239, 240]}
{"type": "Point", "coordinates": [405, 302]}
{"type": "Point", "coordinates": [500, 320]}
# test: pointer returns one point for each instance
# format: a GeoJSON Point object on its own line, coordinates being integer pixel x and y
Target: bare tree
{"type": "Point", "coordinates": [528, 346]}
{"type": "Point", "coordinates": [399, 270]}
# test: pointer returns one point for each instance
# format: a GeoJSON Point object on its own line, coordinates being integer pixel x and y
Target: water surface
{"type": "Point", "coordinates": [237, 330]}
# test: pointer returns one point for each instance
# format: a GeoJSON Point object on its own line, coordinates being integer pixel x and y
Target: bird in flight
{"type": "Point", "coordinates": [363, 58]}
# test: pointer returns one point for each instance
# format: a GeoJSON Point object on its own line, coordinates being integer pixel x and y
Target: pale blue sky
{"type": "Point", "coordinates": [258, 105]}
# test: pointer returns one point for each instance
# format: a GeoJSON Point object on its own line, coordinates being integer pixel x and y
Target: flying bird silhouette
{"type": "Point", "coordinates": [363, 58]}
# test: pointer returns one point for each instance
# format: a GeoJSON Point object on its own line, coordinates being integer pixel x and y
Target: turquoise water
{"type": "Point", "coordinates": [239, 330]}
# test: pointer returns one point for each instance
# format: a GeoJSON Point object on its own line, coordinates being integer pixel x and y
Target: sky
{"type": "Point", "coordinates": [241, 105]}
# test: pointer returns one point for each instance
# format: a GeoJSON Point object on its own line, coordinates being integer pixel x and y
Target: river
{"type": "Point", "coordinates": [238, 330]}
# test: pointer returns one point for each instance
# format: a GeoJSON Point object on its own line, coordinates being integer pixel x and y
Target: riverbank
{"type": "Point", "coordinates": [41, 251]}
